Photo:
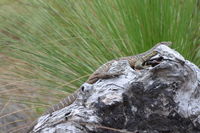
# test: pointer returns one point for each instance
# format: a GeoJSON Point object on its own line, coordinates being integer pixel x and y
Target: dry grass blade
{"type": "Point", "coordinates": [104, 127]}
{"type": "Point", "coordinates": [12, 122]}
{"type": "Point", "coordinates": [5, 105]}
{"type": "Point", "coordinates": [26, 109]}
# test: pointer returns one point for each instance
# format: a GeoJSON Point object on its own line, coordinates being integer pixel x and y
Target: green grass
{"type": "Point", "coordinates": [59, 43]}
{"type": "Point", "coordinates": [65, 40]}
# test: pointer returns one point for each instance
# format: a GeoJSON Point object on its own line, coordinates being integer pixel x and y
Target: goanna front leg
{"type": "Point", "coordinates": [104, 75]}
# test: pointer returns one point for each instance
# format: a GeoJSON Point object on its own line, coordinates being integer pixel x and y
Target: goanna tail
{"type": "Point", "coordinates": [63, 103]}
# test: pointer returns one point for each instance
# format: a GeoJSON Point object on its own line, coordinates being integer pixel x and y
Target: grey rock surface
{"type": "Point", "coordinates": [164, 98]}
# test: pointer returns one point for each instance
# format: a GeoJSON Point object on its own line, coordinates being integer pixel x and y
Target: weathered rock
{"type": "Point", "coordinates": [164, 98]}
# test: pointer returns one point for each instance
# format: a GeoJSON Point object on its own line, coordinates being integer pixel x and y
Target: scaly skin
{"type": "Point", "coordinates": [136, 62]}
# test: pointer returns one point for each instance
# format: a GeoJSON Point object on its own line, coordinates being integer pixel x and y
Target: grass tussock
{"type": "Point", "coordinates": [56, 45]}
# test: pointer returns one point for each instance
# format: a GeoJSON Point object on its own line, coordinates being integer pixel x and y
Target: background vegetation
{"type": "Point", "coordinates": [49, 48]}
